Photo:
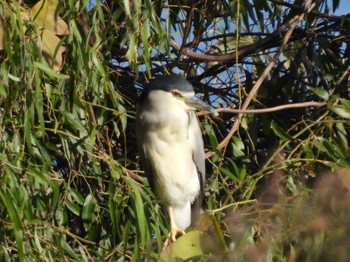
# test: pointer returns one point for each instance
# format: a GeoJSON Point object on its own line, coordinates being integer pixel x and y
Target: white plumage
{"type": "Point", "coordinates": [171, 148]}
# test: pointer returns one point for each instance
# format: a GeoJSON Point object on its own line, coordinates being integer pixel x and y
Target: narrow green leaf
{"type": "Point", "coordinates": [67, 248]}
{"type": "Point", "coordinates": [51, 73]}
{"type": "Point", "coordinates": [76, 195]}
{"type": "Point", "coordinates": [14, 78]}
{"type": "Point", "coordinates": [238, 147]}
{"type": "Point", "coordinates": [19, 243]}
{"type": "Point", "coordinates": [39, 103]}
{"type": "Point", "coordinates": [3, 90]}
{"type": "Point", "coordinates": [126, 234]}
{"type": "Point", "coordinates": [38, 176]}
{"type": "Point", "coordinates": [139, 209]}
{"type": "Point", "coordinates": [27, 132]}
{"type": "Point", "coordinates": [340, 111]}
{"type": "Point", "coordinates": [243, 173]}
{"type": "Point", "coordinates": [280, 132]}
{"type": "Point", "coordinates": [4, 255]}
{"type": "Point", "coordinates": [15, 218]}
{"type": "Point", "coordinates": [127, 7]}
{"type": "Point", "coordinates": [37, 240]}
{"type": "Point", "coordinates": [346, 104]}
{"type": "Point", "coordinates": [322, 93]}
{"type": "Point", "coordinates": [308, 151]}
{"type": "Point", "coordinates": [75, 209]}
{"type": "Point", "coordinates": [219, 234]}
{"type": "Point", "coordinates": [88, 208]}
{"type": "Point", "coordinates": [13, 211]}
{"type": "Point", "coordinates": [228, 174]}
{"type": "Point", "coordinates": [342, 134]}
{"type": "Point", "coordinates": [76, 123]}
{"type": "Point", "coordinates": [93, 136]}
{"type": "Point", "coordinates": [213, 140]}
{"type": "Point", "coordinates": [55, 195]}
{"type": "Point", "coordinates": [122, 115]}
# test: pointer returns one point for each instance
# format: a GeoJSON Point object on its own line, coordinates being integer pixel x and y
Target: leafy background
{"type": "Point", "coordinates": [277, 184]}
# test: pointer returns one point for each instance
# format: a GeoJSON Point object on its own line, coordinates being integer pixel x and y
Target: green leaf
{"type": "Point", "coordinates": [342, 134]}
{"type": "Point", "coordinates": [27, 131]}
{"type": "Point", "coordinates": [4, 255]}
{"type": "Point", "coordinates": [126, 232]}
{"type": "Point", "coordinates": [76, 195]}
{"type": "Point", "coordinates": [51, 73]}
{"type": "Point", "coordinates": [39, 176]}
{"type": "Point", "coordinates": [346, 104]}
{"type": "Point", "coordinates": [340, 111]}
{"type": "Point", "coordinates": [67, 248]}
{"type": "Point", "coordinates": [322, 93]}
{"type": "Point", "coordinates": [308, 151]}
{"type": "Point", "coordinates": [280, 132]}
{"type": "Point", "coordinates": [14, 78]}
{"type": "Point", "coordinates": [238, 147]}
{"type": "Point", "coordinates": [242, 173]}
{"type": "Point", "coordinates": [228, 174]}
{"type": "Point", "coordinates": [88, 209]}
{"type": "Point", "coordinates": [75, 123]}
{"type": "Point", "coordinates": [213, 141]}
{"type": "Point", "coordinates": [75, 209]}
{"type": "Point", "coordinates": [12, 209]}
{"type": "Point", "coordinates": [139, 209]}
{"type": "Point", "coordinates": [126, 4]}
{"type": "Point", "coordinates": [15, 218]}
{"type": "Point", "coordinates": [39, 102]}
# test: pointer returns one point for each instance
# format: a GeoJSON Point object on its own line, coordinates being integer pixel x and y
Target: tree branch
{"type": "Point", "coordinates": [271, 109]}
{"type": "Point", "coordinates": [308, 7]}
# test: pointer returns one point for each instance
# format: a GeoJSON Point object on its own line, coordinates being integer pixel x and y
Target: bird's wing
{"type": "Point", "coordinates": [199, 160]}
{"type": "Point", "coordinates": [144, 161]}
{"type": "Point", "coordinates": [146, 167]}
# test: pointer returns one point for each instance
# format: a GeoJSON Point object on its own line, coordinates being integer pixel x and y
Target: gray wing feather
{"type": "Point", "coordinates": [144, 161]}
{"type": "Point", "coordinates": [199, 159]}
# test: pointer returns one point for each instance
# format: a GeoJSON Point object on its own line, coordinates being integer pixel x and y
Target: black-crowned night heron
{"type": "Point", "coordinates": [171, 147]}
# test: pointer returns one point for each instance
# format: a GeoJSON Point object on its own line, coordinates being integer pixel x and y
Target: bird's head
{"type": "Point", "coordinates": [180, 89]}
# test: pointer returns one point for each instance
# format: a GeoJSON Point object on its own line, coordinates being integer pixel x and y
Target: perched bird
{"type": "Point", "coordinates": [171, 148]}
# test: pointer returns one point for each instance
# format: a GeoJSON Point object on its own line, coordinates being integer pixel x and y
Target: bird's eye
{"type": "Point", "coordinates": [175, 93]}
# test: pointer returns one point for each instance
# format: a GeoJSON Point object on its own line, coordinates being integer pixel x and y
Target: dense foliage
{"type": "Point", "coordinates": [70, 73]}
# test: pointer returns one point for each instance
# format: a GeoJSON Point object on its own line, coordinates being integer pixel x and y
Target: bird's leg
{"type": "Point", "coordinates": [174, 230]}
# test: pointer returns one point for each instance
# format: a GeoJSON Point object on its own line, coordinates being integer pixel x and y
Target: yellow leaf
{"type": "Point", "coordinates": [49, 43]}
{"type": "Point", "coordinates": [45, 15]}
{"type": "Point", "coordinates": [185, 247]}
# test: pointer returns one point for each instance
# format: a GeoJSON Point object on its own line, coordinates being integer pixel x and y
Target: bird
{"type": "Point", "coordinates": [171, 148]}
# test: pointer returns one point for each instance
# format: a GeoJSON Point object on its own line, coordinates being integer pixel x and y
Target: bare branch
{"type": "Point", "coordinates": [297, 19]}
{"type": "Point", "coordinates": [271, 109]}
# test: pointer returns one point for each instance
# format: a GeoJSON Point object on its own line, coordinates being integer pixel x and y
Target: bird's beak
{"type": "Point", "coordinates": [198, 104]}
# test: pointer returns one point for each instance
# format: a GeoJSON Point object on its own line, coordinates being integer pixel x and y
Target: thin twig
{"type": "Point", "coordinates": [344, 76]}
{"type": "Point", "coordinates": [267, 110]}
{"type": "Point", "coordinates": [271, 109]}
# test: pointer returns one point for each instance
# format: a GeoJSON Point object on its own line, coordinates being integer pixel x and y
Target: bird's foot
{"type": "Point", "coordinates": [175, 232]}
{"type": "Point", "coordinates": [172, 236]}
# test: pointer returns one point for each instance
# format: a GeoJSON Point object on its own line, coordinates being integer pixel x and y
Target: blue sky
{"type": "Point", "coordinates": [344, 8]}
